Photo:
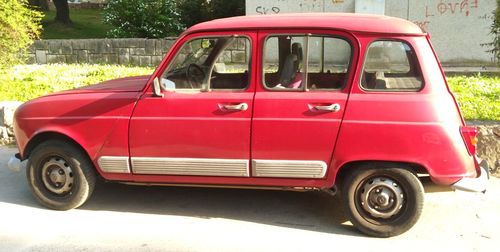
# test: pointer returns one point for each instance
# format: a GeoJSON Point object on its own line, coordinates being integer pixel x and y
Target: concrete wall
{"type": "Point", "coordinates": [458, 28]}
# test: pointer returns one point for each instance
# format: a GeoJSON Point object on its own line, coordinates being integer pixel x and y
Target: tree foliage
{"type": "Point", "coordinates": [193, 11]}
{"type": "Point", "coordinates": [197, 11]}
{"type": "Point", "coordinates": [143, 18]}
{"type": "Point", "coordinates": [495, 30]}
{"type": "Point", "coordinates": [226, 8]}
{"type": "Point", "coordinates": [19, 26]}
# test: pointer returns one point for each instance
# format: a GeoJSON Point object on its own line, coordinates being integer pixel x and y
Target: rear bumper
{"type": "Point", "coordinates": [474, 184]}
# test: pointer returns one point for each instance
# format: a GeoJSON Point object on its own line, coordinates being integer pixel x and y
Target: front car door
{"type": "Point", "coordinates": [299, 102]}
{"type": "Point", "coordinates": [201, 127]}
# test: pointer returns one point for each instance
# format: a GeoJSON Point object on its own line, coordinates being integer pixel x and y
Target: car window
{"type": "Point", "coordinates": [285, 57]}
{"type": "Point", "coordinates": [212, 63]}
{"type": "Point", "coordinates": [232, 66]}
{"type": "Point", "coordinates": [391, 65]}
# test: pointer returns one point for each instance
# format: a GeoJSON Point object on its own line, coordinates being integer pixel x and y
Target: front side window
{"type": "Point", "coordinates": [301, 62]}
{"type": "Point", "coordinates": [391, 66]}
{"type": "Point", "coordinates": [214, 63]}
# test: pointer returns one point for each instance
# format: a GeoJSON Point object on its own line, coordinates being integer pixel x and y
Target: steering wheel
{"type": "Point", "coordinates": [195, 76]}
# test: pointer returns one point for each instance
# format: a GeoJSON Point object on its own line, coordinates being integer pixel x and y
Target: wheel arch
{"type": "Point", "coordinates": [52, 135]}
{"type": "Point", "coordinates": [346, 168]}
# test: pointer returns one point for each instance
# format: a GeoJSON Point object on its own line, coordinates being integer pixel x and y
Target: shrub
{"type": "Point", "coordinates": [197, 11]}
{"type": "Point", "coordinates": [193, 11]}
{"type": "Point", "coordinates": [495, 30]}
{"type": "Point", "coordinates": [142, 18]}
{"type": "Point", "coordinates": [19, 25]}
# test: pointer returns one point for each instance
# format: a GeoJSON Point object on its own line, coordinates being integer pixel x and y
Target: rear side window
{"type": "Point", "coordinates": [391, 66]}
{"type": "Point", "coordinates": [305, 62]}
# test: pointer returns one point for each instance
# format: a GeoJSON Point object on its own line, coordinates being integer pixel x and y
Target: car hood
{"type": "Point", "coordinates": [127, 84]}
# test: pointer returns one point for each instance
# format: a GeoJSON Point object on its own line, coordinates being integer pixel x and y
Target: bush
{"type": "Point", "coordinates": [495, 30]}
{"type": "Point", "coordinates": [197, 11]}
{"type": "Point", "coordinates": [19, 25]}
{"type": "Point", "coordinates": [193, 11]}
{"type": "Point", "coordinates": [226, 8]}
{"type": "Point", "coordinates": [142, 18]}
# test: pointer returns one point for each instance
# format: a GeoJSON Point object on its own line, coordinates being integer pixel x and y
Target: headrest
{"type": "Point", "coordinates": [297, 50]}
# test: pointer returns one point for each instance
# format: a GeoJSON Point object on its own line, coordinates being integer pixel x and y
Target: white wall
{"type": "Point", "coordinates": [458, 28]}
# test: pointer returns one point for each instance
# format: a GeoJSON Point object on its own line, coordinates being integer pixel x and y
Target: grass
{"type": "Point", "coordinates": [25, 82]}
{"type": "Point", "coordinates": [478, 96]}
{"type": "Point", "coordinates": [87, 23]}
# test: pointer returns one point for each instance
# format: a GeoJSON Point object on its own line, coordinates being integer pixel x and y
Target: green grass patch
{"type": "Point", "coordinates": [478, 96]}
{"type": "Point", "coordinates": [87, 23]}
{"type": "Point", "coordinates": [25, 82]}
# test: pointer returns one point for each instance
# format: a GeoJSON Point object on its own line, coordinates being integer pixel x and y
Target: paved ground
{"type": "Point", "coordinates": [130, 218]}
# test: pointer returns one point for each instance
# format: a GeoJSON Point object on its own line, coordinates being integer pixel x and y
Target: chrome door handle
{"type": "Point", "coordinates": [242, 106]}
{"type": "Point", "coordinates": [331, 108]}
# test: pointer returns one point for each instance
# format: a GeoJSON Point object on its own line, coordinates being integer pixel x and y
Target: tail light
{"type": "Point", "coordinates": [469, 135]}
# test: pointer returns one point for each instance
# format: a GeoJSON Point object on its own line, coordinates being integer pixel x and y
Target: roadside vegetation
{"type": "Point", "coordinates": [478, 96]}
{"type": "Point", "coordinates": [25, 82]}
{"type": "Point", "coordinates": [18, 27]}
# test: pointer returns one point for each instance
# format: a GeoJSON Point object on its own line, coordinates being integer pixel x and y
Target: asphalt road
{"type": "Point", "coordinates": [133, 218]}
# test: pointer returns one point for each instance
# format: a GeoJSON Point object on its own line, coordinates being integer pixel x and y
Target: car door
{"type": "Point", "coordinates": [299, 103]}
{"type": "Point", "coordinates": [201, 125]}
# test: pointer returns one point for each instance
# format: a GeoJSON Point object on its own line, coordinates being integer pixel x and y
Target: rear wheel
{"type": "Point", "coordinates": [60, 175]}
{"type": "Point", "coordinates": [384, 201]}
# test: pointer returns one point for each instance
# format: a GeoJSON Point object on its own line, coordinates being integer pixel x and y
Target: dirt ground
{"type": "Point", "coordinates": [132, 218]}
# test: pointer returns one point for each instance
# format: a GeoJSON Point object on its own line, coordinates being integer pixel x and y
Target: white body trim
{"type": "Point", "coordinates": [289, 168]}
{"type": "Point", "coordinates": [114, 164]}
{"type": "Point", "coordinates": [191, 166]}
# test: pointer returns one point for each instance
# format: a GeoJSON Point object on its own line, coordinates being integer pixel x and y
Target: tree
{"type": "Point", "coordinates": [19, 26]}
{"type": "Point", "coordinates": [226, 8]}
{"type": "Point", "coordinates": [495, 30]}
{"type": "Point", "coordinates": [197, 11]}
{"type": "Point", "coordinates": [193, 11]}
{"type": "Point", "coordinates": [62, 11]}
{"type": "Point", "coordinates": [40, 4]}
{"type": "Point", "coordinates": [143, 18]}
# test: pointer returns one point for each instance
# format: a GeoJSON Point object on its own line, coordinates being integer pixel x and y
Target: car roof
{"type": "Point", "coordinates": [339, 21]}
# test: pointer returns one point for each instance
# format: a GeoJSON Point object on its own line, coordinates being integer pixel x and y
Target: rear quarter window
{"type": "Point", "coordinates": [391, 66]}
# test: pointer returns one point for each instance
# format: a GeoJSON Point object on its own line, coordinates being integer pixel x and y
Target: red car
{"type": "Point", "coordinates": [292, 102]}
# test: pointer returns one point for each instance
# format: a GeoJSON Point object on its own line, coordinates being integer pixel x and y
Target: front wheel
{"type": "Point", "coordinates": [383, 201]}
{"type": "Point", "coordinates": [60, 175]}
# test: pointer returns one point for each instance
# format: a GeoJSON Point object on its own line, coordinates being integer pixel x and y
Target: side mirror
{"type": "Point", "coordinates": [156, 88]}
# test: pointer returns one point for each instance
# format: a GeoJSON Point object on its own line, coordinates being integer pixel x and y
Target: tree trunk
{"type": "Point", "coordinates": [62, 11]}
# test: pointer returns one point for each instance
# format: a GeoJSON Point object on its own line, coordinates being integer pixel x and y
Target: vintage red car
{"type": "Point", "coordinates": [292, 102]}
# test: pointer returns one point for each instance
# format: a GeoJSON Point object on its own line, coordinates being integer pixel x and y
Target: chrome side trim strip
{"type": "Point", "coordinates": [114, 164]}
{"type": "Point", "coordinates": [191, 166]}
{"type": "Point", "coordinates": [289, 168]}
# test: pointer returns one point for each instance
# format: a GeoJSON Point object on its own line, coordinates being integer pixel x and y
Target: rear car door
{"type": "Point", "coordinates": [299, 102]}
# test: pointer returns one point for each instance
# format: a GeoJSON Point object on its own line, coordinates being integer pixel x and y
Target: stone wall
{"type": "Point", "coordinates": [129, 51]}
{"type": "Point", "coordinates": [133, 51]}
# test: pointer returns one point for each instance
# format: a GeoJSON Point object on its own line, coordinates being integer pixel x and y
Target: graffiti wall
{"type": "Point", "coordinates": [460, 29]}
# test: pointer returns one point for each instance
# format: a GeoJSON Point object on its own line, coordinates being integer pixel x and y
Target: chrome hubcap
{"type": "Point", "coordinates": [381, 197]}
{"type": "Point", "coordinates": [57, 176]}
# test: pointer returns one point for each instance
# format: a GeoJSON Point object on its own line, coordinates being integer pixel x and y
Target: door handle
{"type": "Point", "coordinates": [242, 106]}
{"type": "Point", "coordinates": [330, 108]}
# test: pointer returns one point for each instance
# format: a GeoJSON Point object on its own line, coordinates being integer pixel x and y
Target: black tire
{"type": "Point", "coordinates": [369, 196]}
{"type": "Point", "coordinates": [60, 175]}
